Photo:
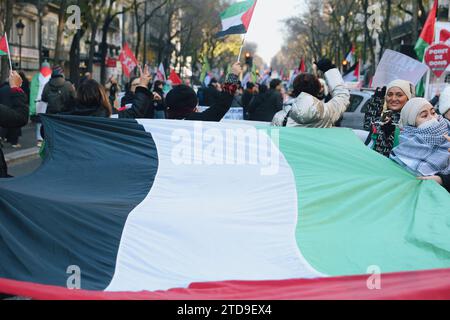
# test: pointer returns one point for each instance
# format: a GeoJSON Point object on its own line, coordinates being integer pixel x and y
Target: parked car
{"type": "Point", "coordinates": [354, 116]}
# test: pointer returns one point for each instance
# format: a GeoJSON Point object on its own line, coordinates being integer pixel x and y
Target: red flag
{"type": "Point", "coordinates": [175, 78]}
{"type": "Point", "coordinates": [128, 60]}
{"type": "Point", "coordinates": [302, 67]}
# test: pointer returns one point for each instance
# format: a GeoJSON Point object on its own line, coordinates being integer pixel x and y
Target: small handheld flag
{"type": "Point", "coordinates": [236, 20]}
{"type": "Point", "coordinates": [128, 60]}
{"type": "Point", "coordinates": [4, 49]}
{"type": "Point", "coordinates": [161, 73]}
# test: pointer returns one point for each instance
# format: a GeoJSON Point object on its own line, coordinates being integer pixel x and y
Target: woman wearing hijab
{"type": "Point", "coordinates": [383, 116]}
{"type": "Point", "coordinates": [423, 148]}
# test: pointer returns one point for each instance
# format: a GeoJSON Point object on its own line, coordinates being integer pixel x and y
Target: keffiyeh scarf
{"type": "Point", "coordinates": [424, 151]}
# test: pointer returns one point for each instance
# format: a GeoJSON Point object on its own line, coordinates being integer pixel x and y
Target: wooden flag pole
{"type": "Point", "coordinates": [242, 47]}
{"type": "Point", "coordinates": [9, 52]}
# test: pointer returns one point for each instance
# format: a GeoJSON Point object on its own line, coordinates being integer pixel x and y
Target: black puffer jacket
{"type": "Point", "coordinates": [265, 105]}
{"type": "Point", "coordinates": [13, 117]}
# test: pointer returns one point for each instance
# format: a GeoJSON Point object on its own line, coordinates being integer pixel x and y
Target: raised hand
{"type": "Point", "coordinates": [15, 80]}
{"type": "Point", "coordinates": [145, 77]}
{"type": "Point", "coordinates": [325, 65]}
{"type": "Point", "coordinates": [236, 69]}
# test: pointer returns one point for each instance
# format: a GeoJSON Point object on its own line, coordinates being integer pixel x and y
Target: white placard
{"type": "Point", "coordinates": [394, 66]}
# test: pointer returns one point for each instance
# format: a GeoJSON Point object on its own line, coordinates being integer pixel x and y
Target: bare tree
{"type": "Point", "coordinates": [59, 47]}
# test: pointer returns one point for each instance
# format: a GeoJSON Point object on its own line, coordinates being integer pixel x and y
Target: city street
{"type": "Point", "coordinates": [24, 167]}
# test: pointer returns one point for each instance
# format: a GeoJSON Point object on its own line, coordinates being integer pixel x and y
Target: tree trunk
{"type": "Point", "coordinates": [104, 52]}
{"type": "Point", "coordinates": [90, 64]}
{"type": "Point", "coordinates": [75, 56]}
{"type": "Point", "coordinates": [59, 48]}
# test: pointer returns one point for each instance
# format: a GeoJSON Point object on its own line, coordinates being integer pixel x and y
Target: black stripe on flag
{"type": "Point", "coordinates": [72, 210]}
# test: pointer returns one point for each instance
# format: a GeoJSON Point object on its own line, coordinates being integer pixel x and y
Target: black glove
{"type": "Point", "coordinates": [381, 92]}
{"type": "Point", "coordinates": [325, 65]}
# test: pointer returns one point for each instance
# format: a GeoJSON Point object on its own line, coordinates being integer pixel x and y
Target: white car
{"type": "Point", "coordinates": [354, 116]}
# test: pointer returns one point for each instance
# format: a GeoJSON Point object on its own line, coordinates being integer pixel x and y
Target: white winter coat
{"type": "Point", "coordinates": [309, 112]}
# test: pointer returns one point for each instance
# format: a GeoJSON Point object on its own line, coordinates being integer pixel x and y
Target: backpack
{"type": "Point", "coordinates": [57, 98]}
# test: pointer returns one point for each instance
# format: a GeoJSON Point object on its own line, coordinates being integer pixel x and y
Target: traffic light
{"type": "Point", "coordinates": [249, 59]}
{"type": "Point", "coordinates": [344, 65]}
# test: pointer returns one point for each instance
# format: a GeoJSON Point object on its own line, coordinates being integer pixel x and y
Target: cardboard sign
{"type": "Point", "coordinates": [394, 66]}
{"type": "Point", "coordinates": [437, 58]}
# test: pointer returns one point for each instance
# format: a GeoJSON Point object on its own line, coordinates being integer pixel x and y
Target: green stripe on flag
{"type": "Point", "coordinates": [420, 48]}
{"type": "Point", "coordinates": [358, 209]}
{"type": "Point", "coordinates": [3, 53]}
{"type": "Point", "coordinates": [237, 9]}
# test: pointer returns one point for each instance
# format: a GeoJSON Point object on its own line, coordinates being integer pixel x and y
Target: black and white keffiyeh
{"type": "Point", "coordinates": [424, 151]}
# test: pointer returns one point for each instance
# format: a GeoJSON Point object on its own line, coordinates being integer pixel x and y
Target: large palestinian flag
{"type": "Point", "coordinates": [218, 211]}
{"type": "Point", "coordinates": [236, 19]}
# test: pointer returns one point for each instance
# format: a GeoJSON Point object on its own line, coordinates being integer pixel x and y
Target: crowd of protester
{"type": "Point", "coordinates": [411, 131]}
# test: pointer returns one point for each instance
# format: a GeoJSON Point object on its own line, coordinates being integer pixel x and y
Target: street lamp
{"type": "Point", "coordinates": [20, 27]}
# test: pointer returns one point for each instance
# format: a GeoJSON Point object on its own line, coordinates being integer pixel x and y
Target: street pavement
{"type": "Point", "coordinates": [24, 167]}
{"type": "Point", "coordinates": [24, 160]}
{"type": "Point", "coordinates": [27, 140]}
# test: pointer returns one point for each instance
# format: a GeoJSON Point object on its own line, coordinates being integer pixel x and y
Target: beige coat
{"type": "Point", "coordinates": [309, 112]}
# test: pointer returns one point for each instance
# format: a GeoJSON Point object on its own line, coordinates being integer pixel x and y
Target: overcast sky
{"type": "Point", "coordinates": [267, 28]}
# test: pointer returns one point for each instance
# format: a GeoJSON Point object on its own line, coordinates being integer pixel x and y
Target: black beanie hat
{"type": "Point", "coordinates": [181, 101]}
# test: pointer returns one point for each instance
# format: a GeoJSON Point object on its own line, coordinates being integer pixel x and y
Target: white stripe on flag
{"type": "Point", "coordinates": [203, 223]}
{"type": "Point", "coordinates": [232, 21]}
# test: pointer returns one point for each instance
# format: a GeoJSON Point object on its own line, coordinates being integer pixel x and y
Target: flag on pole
{"type": "Point", "coordinates": [128, 60]}
{"type": "Point", "coordinates": [427, 36]}
{"type": "Point", "coordinates": [164, 230]}
{"type": "Point", "coordinates": [254, 75]}
{"type": "Point", "coordinates": [353, 73]}
{"type": "Point", "coordinates": [205, 69]}
{"type": "Point", "coordinates": [161, 73]}
{"type": "Point", "coordinates": [236, 19]}
{"type": "Point", "coordinates": [175, 78]}
{"type": "Point", "coordinates": [302, 67]}
{"type": "Point", "coordinates": [426, 39]}
{"type": "Point", "coordinates": [351, 56]}
{"type": "Point", "coordinates": [4, 49]}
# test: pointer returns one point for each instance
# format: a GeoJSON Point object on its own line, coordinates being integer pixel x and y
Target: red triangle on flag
{"type": "Point", "coordinates": [427, 33]}
{"type": "Point", "coordinates": [302, 67]}
{"type": "Point", "coordinates": [3, 46]}
{"type": "Point", "coordinates": [356, 73]}
{"type": "Point", "coordinates": [247, 17]}
{"type": "Point", "coordinates": [175, 78]}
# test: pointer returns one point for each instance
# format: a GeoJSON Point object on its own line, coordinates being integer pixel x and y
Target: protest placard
{"type": "Point", "coordinates": [395, 65]}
